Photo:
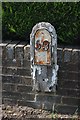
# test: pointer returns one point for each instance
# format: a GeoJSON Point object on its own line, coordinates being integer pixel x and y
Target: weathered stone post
{"type": "Point", "coordinates": [43, 54]}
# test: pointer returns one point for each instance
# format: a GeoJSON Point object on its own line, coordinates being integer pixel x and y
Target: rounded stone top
{"type": "Point", "coordinates": [48, 27]}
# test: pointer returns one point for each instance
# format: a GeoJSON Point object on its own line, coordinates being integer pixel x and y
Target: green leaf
{"type": "Point", "coordinates": [12, 29]}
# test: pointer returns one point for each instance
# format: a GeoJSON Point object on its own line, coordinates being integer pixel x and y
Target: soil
{"type": "Point", "coordinates": [24, 112]}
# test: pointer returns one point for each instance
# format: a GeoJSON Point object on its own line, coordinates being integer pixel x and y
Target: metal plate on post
{"type": "Point", "coordinates": [42, 55]}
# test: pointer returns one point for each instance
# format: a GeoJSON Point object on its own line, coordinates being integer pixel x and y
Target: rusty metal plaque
{"type": "Point", "coordinates": [42, 52]}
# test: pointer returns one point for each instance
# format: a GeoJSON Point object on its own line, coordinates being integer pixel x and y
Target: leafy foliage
{"type": "Point", "coordinates": [18, 18]}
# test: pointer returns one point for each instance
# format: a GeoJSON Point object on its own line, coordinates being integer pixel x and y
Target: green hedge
{"type": "Point", "coordinates": [18, 18]}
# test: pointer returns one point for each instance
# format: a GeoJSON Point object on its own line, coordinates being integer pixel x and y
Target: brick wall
{"type": "Point", "coordinates": [17, 83]}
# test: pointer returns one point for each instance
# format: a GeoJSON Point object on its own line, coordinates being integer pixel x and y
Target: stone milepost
{"type": "Point", "coordinates": [43, 54]}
